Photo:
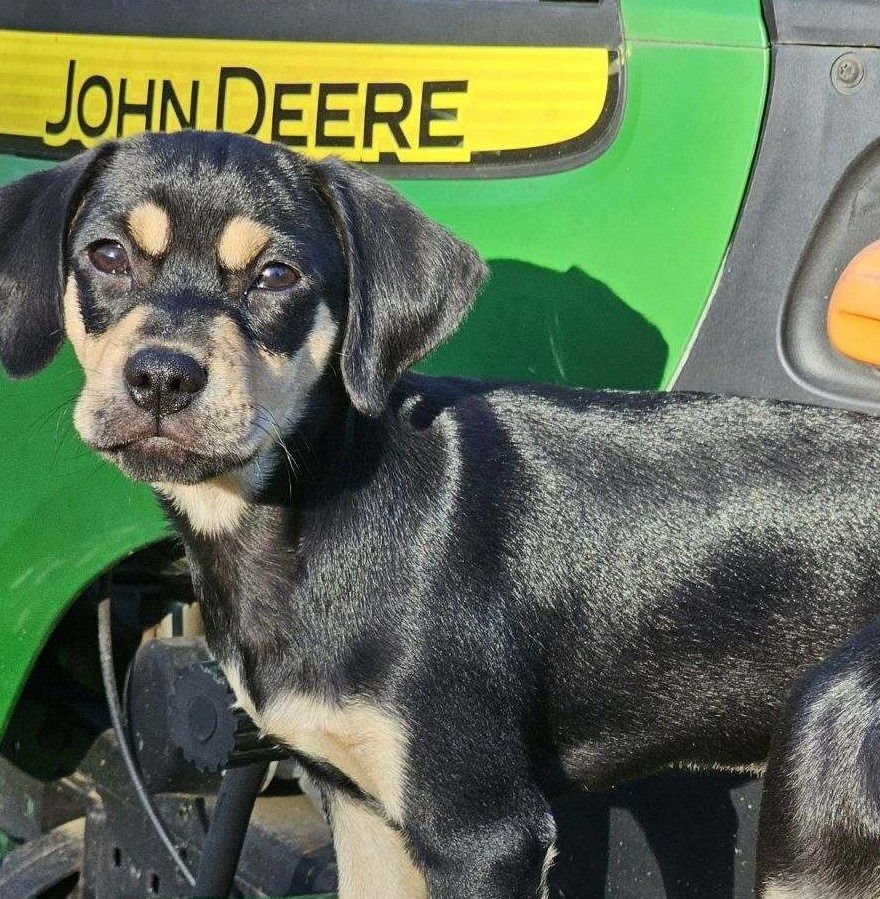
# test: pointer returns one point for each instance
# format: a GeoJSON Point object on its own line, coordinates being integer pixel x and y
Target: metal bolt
{"type": "Point", "coordinates": [847, 73]}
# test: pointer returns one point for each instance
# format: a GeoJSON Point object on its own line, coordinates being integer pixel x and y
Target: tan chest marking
{"type": "Point", "coordinates": [241, 241]}
{"type": "Point", "coordinates": [242, 696]}
{"type": "Point", "coordinates": [366, 743]}
{"type": "Point", "coordinates": [150, 228]}
{"type": "Point", "coordinates": [372, 859]}
{"type": "Point", "coordinates": [212, 507]}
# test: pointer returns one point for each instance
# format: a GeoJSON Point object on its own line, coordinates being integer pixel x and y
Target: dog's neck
{"type": "Point", "coordinates": [267, 574]}
{"type": "Point", "coordinates": [290, 579]}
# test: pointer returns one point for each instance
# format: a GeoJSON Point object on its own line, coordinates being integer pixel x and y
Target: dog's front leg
{"type": "Point", "coordinates": [820, 812]}
{"type": "Point", "coordinates": [474, 843]}
{"type": "Point", "coordinates": [504, 859]}
{"type": "Point", "coordinates": [372, 859]}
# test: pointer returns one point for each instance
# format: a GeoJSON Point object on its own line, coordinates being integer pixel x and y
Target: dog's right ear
{"type": "Point", "coordinates": [35, 214]}
{"type": "Point", "coordinates": [410, 281]}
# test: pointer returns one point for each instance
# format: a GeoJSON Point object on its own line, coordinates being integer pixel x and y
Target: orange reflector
{"type": "Point", "coordinates": [854, 310]}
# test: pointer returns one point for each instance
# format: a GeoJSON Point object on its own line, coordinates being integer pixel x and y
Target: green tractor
{"type": "Point", "coordinates": [670, 193]}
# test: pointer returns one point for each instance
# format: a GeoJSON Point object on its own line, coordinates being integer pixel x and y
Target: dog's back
{"type": "Point", "coordinates": [671, 561]}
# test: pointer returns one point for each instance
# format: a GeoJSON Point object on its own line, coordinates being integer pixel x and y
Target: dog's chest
{"type": "Point", "coordinates": [368, 744]}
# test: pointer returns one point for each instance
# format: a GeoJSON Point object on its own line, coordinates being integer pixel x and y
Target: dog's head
{"type": "Point", "coordinates": [207, 282]}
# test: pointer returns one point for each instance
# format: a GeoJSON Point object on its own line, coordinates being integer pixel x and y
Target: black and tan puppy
{"type": "Point", "coordinates": [450, 598]}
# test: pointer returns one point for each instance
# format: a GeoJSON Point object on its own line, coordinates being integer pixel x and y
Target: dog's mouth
{"type": "Point", "coordinates": [153, 443]}
{"type": "Point", "coordinates": [152, 438]}
{"type": "Point", "coordinates": [185, 448]}
{"type": "Point", "coordinates": [163, 458]}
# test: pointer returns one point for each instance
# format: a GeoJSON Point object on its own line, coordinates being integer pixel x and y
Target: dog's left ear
{"type": "Point", "coordinates": [410, 281]}
{"type": "Point", "coordinates": [35, 213]}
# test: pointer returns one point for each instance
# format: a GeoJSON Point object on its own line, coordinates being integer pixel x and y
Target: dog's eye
{"type": "Point", "coordinates": [277, 276]}
{"type": "Point", "coordinates": [109, 257]}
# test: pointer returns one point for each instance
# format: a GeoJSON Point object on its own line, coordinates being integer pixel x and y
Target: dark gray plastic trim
{"type": "Point", "coordinates": [452, 22]}
{"type": "Point", "coordinates": [763, 333]}
{"type": "Point", "coordinates": [854, 23]}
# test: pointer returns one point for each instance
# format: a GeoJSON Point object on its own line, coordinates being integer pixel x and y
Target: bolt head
{"type": "Point", "coordinates": [847, 73]}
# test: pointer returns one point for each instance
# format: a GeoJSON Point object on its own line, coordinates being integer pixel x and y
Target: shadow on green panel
{"type": "Point", "coordinates": [535, 323]}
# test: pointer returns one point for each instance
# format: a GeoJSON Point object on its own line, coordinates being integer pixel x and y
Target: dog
{"type": "Point", "coordinates": [451, 599]}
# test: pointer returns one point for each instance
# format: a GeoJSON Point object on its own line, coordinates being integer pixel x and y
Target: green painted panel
{"type": "Point", "coordinates": [12, 167]}
{"type": "Point", "coordinates": [732, 22]}
{"type": "Point", "coordinates": [599, 277]}
{"type": "Point", "coordinates": [600, 274]}
{"type": "Point", "coordinates": [65, 516]}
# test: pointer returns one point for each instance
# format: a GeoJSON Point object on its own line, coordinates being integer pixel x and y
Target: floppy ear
{"type": "Point", "coordinates": [35, 213]}
{"type": "Point", "coordinates": [410, 281]}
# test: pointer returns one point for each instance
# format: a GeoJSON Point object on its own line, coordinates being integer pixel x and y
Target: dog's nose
{"type": "Point", "coordinates": [163, 380]}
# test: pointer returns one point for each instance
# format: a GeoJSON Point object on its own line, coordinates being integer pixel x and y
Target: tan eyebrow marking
{"type": "Point", "coordinates": [241, 242]}
{"type": "Point", "coordinates": [150, 228]}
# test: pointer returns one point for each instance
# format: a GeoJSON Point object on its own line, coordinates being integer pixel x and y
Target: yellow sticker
{"type": "Point", "coordinates": [364, 102]}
